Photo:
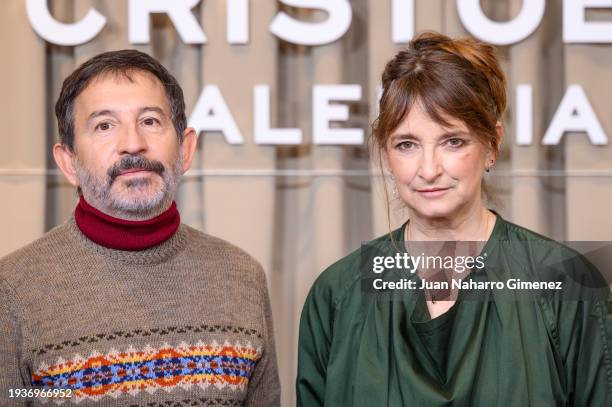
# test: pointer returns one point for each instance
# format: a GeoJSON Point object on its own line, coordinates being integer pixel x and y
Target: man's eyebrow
{"type": "Point", "coordinates": [99, 113]}
{"type": "Point", "coordinates": [155, 109]}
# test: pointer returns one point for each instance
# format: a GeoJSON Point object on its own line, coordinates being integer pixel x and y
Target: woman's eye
{"type": "Point", "coordinates": [455, 142]}
{"type": "Point", "coordinates": [405, 145]}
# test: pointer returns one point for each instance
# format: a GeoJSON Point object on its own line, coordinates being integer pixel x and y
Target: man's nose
{"type": "Point", "coordinates": [132, 141]}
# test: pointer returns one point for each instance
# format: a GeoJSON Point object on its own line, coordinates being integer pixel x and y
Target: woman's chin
{"type": "Point", "coordinates": [434, 210]}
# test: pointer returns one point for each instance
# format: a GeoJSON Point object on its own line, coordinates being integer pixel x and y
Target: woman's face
{"type": "Point", "coordinates": [438, 170]}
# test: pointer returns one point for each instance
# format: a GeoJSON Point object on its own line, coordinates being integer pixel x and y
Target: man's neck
{"type": "Point", "coordinates": [132, 215]}
{"type": "Point", "coordinates": [125, 234]}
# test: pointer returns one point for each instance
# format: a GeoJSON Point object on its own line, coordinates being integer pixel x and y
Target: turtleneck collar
{"type": "Point", "coordinates": [121, 234]}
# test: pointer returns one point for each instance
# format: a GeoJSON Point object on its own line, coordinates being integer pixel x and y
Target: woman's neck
{"type": "Point", "coordinates": [475, 224]}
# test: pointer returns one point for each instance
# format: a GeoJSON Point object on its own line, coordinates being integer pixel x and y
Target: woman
{"type": "Point", "coordinates": [439, 130]}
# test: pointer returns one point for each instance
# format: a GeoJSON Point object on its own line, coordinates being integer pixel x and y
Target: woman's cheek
{"type": "Point", "coordinates": [464, 164]}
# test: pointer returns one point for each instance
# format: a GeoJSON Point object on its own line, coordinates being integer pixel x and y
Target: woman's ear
{"type": "Point", "coordinates": [499, 129]}
{"type": "Point", "coordinates": [64, 159]}
{"type": "Point", "coordinates": [384, 160]}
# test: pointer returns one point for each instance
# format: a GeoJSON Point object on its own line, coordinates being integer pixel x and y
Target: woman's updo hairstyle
{"type": "Point", "coordinates": [459, 78]}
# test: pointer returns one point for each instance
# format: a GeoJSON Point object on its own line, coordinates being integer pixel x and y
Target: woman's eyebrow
{"type": "Point", "coordinates": [453, 133]}
{"type": "Point", "coordinates": [403, 136]}
{"type": "Point", "coordinates": [442, 136]}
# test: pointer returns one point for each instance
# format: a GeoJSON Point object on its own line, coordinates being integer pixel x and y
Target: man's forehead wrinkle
{"type": "Point", "coordinates": [121, 76]}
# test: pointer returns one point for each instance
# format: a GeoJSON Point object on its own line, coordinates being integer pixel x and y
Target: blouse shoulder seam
{"type": "Point", "coordinates": [606, 346]}
{"type": "Point", "coordinates": [345, 289]}
{"type": "Point", "coordinates": [356, 277]}
{"type": "Point", "coordinates": [549, 319]}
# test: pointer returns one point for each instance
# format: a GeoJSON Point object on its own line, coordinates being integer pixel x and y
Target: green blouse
{"type": "Point", "coordinates": [362, 349]}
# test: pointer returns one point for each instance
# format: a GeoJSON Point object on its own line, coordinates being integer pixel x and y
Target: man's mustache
{"type": "Point", "coordinates": [134, 161]}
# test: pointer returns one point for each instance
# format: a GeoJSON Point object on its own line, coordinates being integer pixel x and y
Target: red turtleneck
{"type": "Point", "coordinates": [121, 234]}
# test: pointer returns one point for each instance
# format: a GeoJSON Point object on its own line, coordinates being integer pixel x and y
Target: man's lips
{"type": "Point", "coordinates": [135, 171]}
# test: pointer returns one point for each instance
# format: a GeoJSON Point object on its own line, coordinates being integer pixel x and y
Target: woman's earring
{"type": "Point", "coordinates": [394, 190]}
{"type": "Point", "coordinates": [490, 166]}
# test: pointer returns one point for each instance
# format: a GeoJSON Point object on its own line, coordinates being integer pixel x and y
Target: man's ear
{"type": "Point", "coordinates": [64, 159]}
{"type": "Point", "coordinates": [188, 146]}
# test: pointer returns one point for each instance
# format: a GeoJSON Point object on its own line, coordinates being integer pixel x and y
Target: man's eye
{"type": "Point", "coordinates": [104, 126]}
{"type": "Point", "coordinates": [150, 121]}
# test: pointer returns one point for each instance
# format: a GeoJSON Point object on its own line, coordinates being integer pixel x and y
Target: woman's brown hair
{"type": "Point", "coordinates": [458, 78]}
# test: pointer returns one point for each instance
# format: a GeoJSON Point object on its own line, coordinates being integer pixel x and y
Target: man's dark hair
{"type": "Point", "coordinates": [123, 63]}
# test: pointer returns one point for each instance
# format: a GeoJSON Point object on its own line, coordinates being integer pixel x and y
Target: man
{"type": "Point", "coordinates": [122, 304]}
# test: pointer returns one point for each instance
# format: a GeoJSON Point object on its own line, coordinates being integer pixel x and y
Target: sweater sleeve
{"type": "Point", "coordinates": [264, 386]}
{"type": "Point", "coordinates": [10, 347]}
{"type": "Point", "coordinates": [314, 346]}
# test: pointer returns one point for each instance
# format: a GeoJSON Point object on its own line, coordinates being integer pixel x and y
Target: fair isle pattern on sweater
{"type": "Point", "coordinates": [184, 323]}
{"type": "Point", "coordinates": [142, 333]}
{"type": "Point", "coordinates": [132, 371]}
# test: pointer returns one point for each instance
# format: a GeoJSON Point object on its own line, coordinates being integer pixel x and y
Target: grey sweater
{"type": "Point", "coordinates": [184, 323]}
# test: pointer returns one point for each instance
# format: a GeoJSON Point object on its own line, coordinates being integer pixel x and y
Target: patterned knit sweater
{"type": "Point", "coordinates": [184, 323]}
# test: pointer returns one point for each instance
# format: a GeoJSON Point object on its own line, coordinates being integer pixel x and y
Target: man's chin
{"type": "Point", "coordinates": [137, 181]}
{"type": "Point", "coordinates": [141, 188]}
{"type": "Point", "coordinates": [137, 201]}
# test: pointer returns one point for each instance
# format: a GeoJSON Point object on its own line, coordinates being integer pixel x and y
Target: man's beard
{"type": "Point", "coordinates": [135, 203]}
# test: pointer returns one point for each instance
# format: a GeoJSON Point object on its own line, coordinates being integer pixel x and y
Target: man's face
{"type": "Point", "coordinates": [127, 158]}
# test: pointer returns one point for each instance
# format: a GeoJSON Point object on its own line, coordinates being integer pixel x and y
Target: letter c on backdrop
{"type": "Point", "coordinates": [60, 33]}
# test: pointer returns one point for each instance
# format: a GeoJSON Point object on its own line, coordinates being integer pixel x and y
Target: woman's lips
{"type": "Point", "coordinates": [432, 192]}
